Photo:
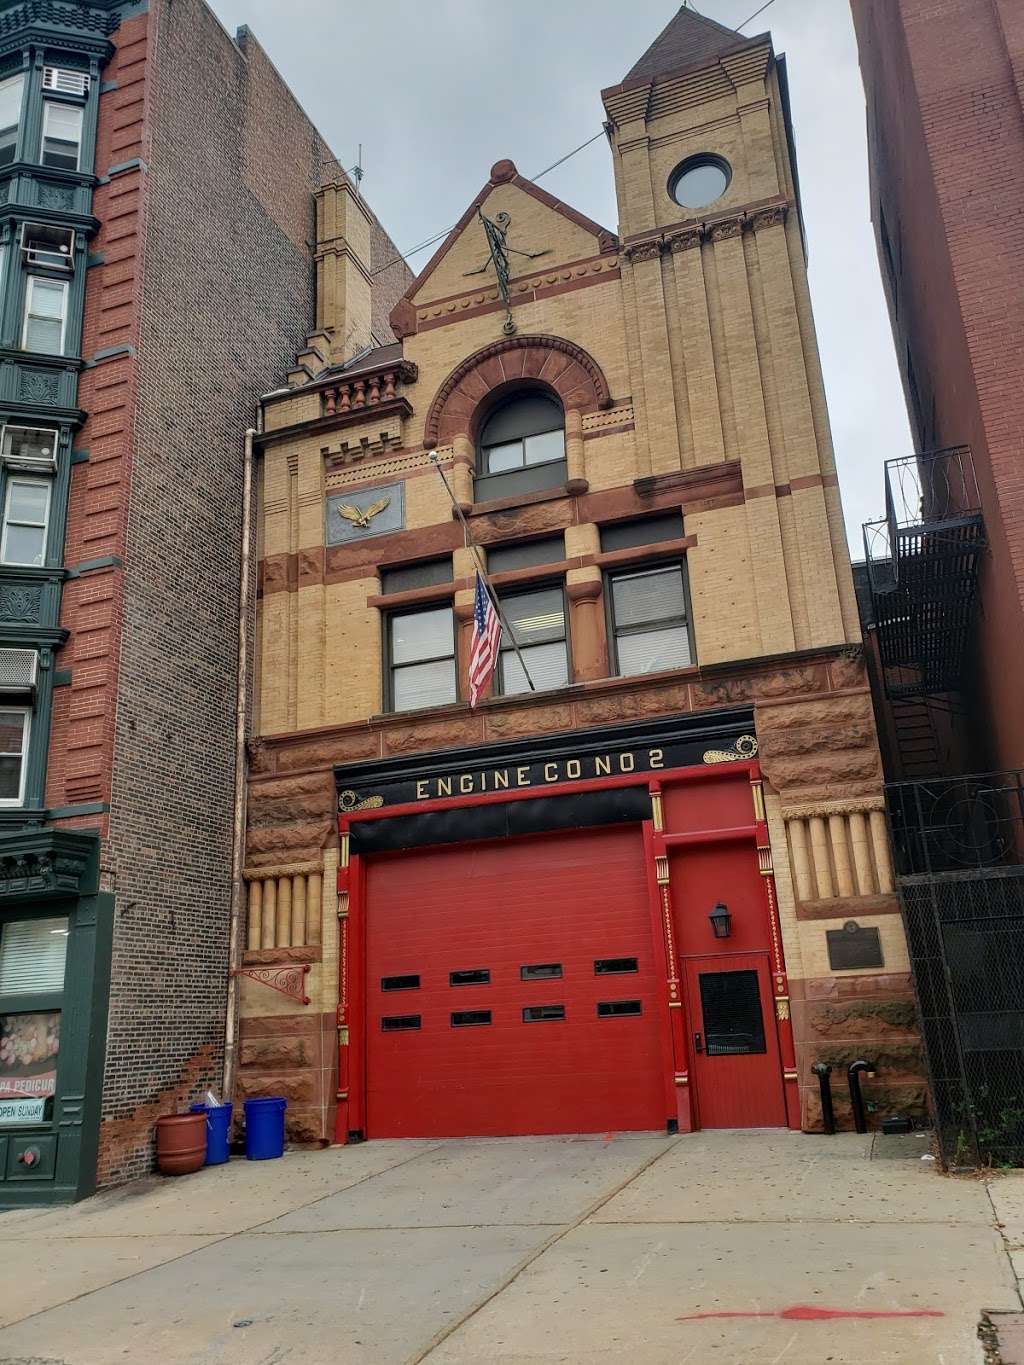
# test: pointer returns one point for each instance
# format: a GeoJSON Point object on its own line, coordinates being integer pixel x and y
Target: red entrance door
{"type": "Point", "coordinates": [736, 1070]}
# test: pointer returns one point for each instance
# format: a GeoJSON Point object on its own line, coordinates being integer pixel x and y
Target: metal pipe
{"type": "Point", "coordinates": [235, 943]}
{"type": "Point", "coordinates": [853, 1075]}
{"type": "Point", "coordinates": [828, 1115]}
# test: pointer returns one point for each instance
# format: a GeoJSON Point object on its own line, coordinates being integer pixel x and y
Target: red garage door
{"type": "Point", "coordinates": [512, 989]}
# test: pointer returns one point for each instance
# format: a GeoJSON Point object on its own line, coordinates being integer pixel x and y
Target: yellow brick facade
{"type": "Point", "coordinates": [700, 329]}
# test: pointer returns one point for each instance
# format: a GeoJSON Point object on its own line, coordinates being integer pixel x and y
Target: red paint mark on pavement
{"type": "Point", "coordinates": [609, 1137]}
{"type": "Point", "coordinates": [809, 1313]}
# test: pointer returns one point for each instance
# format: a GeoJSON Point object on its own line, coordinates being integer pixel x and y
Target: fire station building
{"type": "Point", "coordinates": [650, 891]}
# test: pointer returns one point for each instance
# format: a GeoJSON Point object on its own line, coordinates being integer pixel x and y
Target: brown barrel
{"type": "Point", "coordinates": [181, 1143]}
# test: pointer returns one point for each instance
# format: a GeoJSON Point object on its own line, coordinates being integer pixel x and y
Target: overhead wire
{"type": "Point", "coordinates": [754, 15]}
{"type": "Point", "coordinates": [437, 237]}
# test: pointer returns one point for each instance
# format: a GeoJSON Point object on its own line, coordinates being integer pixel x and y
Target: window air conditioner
{"type": "Point", "coordinates": [53, 248]}
{"type": "Point", "coordinates": [67, 82]}
{"type": "Point", "coordinates": [30, 449]}
{"type": "Point", "coordinates": [18, 670]}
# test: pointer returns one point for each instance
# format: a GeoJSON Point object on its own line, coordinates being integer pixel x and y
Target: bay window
{"type": "Point", "coordinates": [11, 92]}
{"type": "Point", "coordinates": [26, 519]}
{"type": "Point", "coordinates": [421, 659]}
{"type": "Point", "coordinates": [62, 135]}
{"type": "Point", "coordinates": [649, 626]}
{"type": "Point", "coordinates": [45, 315]}
{"type": "Point", "coordinates": [537, 619]}
{"type": "Point", "coordinates": [15, 722]}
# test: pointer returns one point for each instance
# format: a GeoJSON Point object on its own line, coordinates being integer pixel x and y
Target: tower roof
{"type": "Point", "coordinates": [687, 38]}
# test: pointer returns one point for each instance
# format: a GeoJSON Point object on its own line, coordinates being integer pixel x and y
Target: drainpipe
{"type": "Point", "coordinates": [828, 1118]}
{"type": "Point", "coordinates": [853, 1075]}
{"type": "Point", "coordinates": [235, 932]}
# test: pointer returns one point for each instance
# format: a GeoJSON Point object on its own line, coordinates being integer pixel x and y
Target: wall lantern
{"type": "Point", "coordinates": [721, 921]}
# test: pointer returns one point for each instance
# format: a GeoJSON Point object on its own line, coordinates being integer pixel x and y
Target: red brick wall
{"type": "Point", "coordinates": [944, 81]}
{"type": "Point", "coordinates": [205, 275]}
{"type": "Point", "coordinates": [81, 745]}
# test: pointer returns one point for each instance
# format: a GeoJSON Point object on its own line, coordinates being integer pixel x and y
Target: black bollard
{"type": "Point", "coordinates": [853, 1075]}
{"type": "Point", "coordinates": [828, 1117]}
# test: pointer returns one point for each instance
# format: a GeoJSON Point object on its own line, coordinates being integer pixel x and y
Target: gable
{"type": "Point", "coordinates": [537, 223]}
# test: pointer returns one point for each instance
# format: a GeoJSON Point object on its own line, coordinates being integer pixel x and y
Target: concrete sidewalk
{"type": "Point", "coordinates": [737, 1248]}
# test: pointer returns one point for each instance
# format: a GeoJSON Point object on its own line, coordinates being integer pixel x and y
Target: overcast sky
{"type": "Point", "coordinates": [436, 91]}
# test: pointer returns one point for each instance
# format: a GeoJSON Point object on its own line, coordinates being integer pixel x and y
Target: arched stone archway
{"type": "Point", "coordinates": [559, 365]}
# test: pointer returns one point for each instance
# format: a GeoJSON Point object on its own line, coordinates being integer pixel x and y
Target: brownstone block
{"type": "Point", "coordinates": [298, 1088]}
{"type": "Point", "coordinates": [308, 1023]}
{"type": "Point", "coordinates": [432, 734]}
{"type": "Point", "coordinates": [856, 1019]}
{"type": "Point", "coordinates": [619, 706]}
{"type": "Point", "coordinates": [304, 1125]}
{"type": "Point", "coordinates": [789, 682]}
{"type": "Point", "coordinates": [270, 1054]}
{"type": "Point", "coordinates": [848, 672]}
{"type": "Point", "coordinates": [725, 693]}
{"type": "Point", "coordinates": [528, 720]}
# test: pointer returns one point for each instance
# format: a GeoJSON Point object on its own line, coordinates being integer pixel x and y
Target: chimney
{"type": "Point", "coordinates": [342, 268]}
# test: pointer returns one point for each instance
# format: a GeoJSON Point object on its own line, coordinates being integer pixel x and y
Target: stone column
{"type": "Point", "coordinates": [463, 470]}
{"type": "Point", "coordinates": [576, 478]}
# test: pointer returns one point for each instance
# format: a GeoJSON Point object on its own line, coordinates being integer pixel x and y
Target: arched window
{"type": "Point", "coordinates": [521, 447]}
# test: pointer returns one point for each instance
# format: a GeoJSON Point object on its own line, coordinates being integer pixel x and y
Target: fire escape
{"type": "Point", "coordinates": [923, 560]}
{"type": "Point", "coordinates": [958, 840]}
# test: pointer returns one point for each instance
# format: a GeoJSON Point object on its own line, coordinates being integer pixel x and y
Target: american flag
{"type": "Point", "coordinates": [486, 638]}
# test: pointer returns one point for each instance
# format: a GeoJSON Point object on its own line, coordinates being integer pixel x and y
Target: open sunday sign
{"type": "Point", "coordinates": [21, 1111]}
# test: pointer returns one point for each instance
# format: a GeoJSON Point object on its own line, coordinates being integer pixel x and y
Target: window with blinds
{"type": "Point", "coordinates": [649, 626]}
{"type": "Point", "coordinates": [421, 659]}
{"type": "Point", "coordinates": [537, 620]}
{"type": "Point", "coordinates": [32, 954]}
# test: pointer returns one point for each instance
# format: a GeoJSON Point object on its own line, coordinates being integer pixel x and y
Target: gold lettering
{"type": "Point", "coordinates": [573, 768]}
{"type": "Point", "coordinates": [627, 763]}
{"type": "Point", "coordinates": [444, 786]}
{"type": "Point", "coordinates": [500, 778]}
{"type": "Point", "coordinates": [483, 782]}
{"type": "Point", "coordinates": [603, 765]}
{"type": "Point", "coordinates": [466, 783]}
{"type": "Point", "coordinates": [421, 791]}
{"type": "Point", "coordinates": [550, 772]}
{"type": "Point", "coordinates": [656, 758]}
{"type": "Point", "coordinates": [522, 777]}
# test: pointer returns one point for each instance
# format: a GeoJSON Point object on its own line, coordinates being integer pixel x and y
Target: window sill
{"type": "Point", "coordinates": [482, 509]}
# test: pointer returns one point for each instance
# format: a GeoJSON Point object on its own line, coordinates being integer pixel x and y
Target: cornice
{"type": "Point", "coordinates": [723, 227]}
{"type": "Point", "coordinates": [47, 864]}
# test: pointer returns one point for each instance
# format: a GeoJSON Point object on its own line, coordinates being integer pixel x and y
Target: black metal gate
{"type": "Point", "coordinates": [961, 880]}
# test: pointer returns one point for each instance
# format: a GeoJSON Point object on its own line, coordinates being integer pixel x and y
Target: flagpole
{"type": "Point", "coordinates": [472, 545]}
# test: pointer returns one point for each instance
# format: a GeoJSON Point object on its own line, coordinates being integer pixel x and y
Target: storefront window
{"type": "Point", "coordinates": [32, 958]}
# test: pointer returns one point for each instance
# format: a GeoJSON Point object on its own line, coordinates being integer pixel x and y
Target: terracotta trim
{"type": "Point", "coordinates": [322, 424]}
{"type": "Point", "coordinates": [484, 509]}
{"type": "Point", "coordinates": [636, 554]}
{"type": "Point", "coordinates": [533, 273]}
{"type": "Point", "coordinates": [527, 296]}
{"type": "Point", "coordinates": [848, 907]}
{"type": "Point", "coordinates": [252, 957]}
{"type": "Point", "coordinates": [369, 738]}
{"type": "Point", "coordinates": [414, 597]}
{"type": "Point", "coordinates": [501, 173]}
{"type": "Point", "coordinates": [609, 431]}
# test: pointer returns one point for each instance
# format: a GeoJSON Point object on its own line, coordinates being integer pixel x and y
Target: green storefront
{"type": "Point", "coordinates": [55, 941]}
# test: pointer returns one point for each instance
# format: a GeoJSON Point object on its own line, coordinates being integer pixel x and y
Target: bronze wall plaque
{"type": "Point", "coordinates": [852, 948]}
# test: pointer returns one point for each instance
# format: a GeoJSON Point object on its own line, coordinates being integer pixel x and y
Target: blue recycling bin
{"type": "Point", "coordinates": [218, 1131]}
{"type": "Point", "coordinates": [264, 1128]}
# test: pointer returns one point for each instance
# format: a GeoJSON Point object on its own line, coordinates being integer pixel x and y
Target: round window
{"type": "Point", "coordinates": [700, 181]}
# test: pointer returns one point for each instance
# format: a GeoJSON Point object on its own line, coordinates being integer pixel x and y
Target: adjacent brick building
{"type": "Point", "coordinates": [186, 204]}
{"type": "Point", "coordinates": [654, 890]}
{"type": "Point", "coordinates": [944, 86]}
{"type": "Point", "coordinates": [943, 582]}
